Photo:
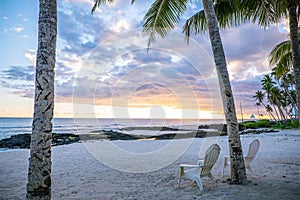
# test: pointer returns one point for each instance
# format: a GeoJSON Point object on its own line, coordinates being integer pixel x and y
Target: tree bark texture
{"type": "Point", "coordinates": [39, 173]}
{"type": "Point", "coordinates": [293, 24]}
{"type": "Point", "coordinates": [238, 173]}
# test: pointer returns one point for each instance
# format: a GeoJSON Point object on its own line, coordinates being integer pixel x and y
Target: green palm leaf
{"type": "Point", "coordinates": [228, 14]}
{"type": "Point", "coordinates": [162, 17]}
{"type": "Point", "coordinates": [281, 56]}
{"type": "Point", "coordinates": [263, 12]}
{"type": "Point", "coordinates": [98, 3]}
{"type": "Point", "coordinates": [232, 13]}
{"type": "Point", "coordinates": [281, 50]}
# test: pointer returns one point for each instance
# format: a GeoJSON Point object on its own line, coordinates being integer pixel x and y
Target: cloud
{"type": "Point", "coordinates": [98, 62]}
{"type": "Point", "coordinates": [19, 73]}
{"type": "Point", "coordinates": [17, 28]}
{"type": "Point", "coordinates": [244, 91]}
{"type": "Point", "coordinates": [31, 56]}
{"type": "Point", "coordinates": [120, 26]}
{"type": "Point", "coordinates": [247, 48]}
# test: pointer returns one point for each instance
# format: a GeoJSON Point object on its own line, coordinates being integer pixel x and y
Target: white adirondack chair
{"type": "Point", "coordinates": [253, 149]}
{"type": "Point", "coordinates": [201, 169]}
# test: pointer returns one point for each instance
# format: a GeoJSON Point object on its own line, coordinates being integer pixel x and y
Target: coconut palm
{"type": "Point", "coordinates": [39, 173]}
{"type": "Point", "coordinates": [269, 109]}
{"type": "Point", "coordinates": [238, 174]}
{"type": "Point", "coordinates": [259, 96]}
{"type": "Point", "coordinates": [161, 18]}
{"type": "Point", "coordinates": [267, 84]}
{"type": "Point", "coordinates": [263, 12]}
{"type": "Point", "coordinates": [287, 82]}
{"type": "Point", "coordinates": [293, 7]}
{"type": "Point", "coordinates": [277, 99]}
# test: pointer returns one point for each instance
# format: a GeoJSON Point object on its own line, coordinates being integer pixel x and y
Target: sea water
{"type": "Point", "coordinates": [15, 126]}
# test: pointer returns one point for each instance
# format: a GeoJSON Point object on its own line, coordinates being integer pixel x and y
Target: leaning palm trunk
{"type": "Point", "coordinates": [238, 173]}
{"type": "Point", "coordinates": [293, 24]}
{"type": "Point", "coordinates": [280, 108]}
{"type": "Point", "coordinates": [278, 117]}
{"type": "Point", "coordinates": [270, 113]}
{"type": "Point", "coordinates": [39, 174]}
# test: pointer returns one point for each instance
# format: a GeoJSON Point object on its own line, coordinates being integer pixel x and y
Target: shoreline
{"type": "Point", "coordinates": [165, 133]}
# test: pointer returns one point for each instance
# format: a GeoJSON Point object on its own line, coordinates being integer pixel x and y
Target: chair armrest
{"type": "Point", "coordinates": [189, 166]}
{"type": "Point", "coordinates": [200, 161]}
{"type": "Point", "coordinates": [182, 166]}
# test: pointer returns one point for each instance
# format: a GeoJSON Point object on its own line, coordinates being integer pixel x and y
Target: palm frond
{"type": "Point", "coordinates": [263, 12]}
{"type": "Point", "coordinates": [162, 17]}
{"type": "Point", "coordinates": [229, 14]}
{"type": "Point", "coordinates": [195, 24]}
{"type": "Point", "coordinates": [98, 3]}
{"type": "Point", "coordinates": [279, 51]}
{"type": "Point", "coordinates": [279, 71]}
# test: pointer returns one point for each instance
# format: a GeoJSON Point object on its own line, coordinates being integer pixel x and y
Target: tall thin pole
{"type": "Point", "coordinates": [242, 112]}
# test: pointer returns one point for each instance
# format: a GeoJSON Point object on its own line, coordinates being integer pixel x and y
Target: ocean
{"type": "Point", "coordinates": [15, 126]}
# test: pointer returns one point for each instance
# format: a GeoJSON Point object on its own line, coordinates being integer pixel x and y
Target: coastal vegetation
{"type": "Point", "coordinates": [265, 123]}
{"type": "Point", "coordinates": [278, 94]}
{"type": "Point", "coordinates": [278, 97]}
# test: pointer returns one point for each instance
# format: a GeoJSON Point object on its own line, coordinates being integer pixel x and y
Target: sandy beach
{"type": "Point", "coordinates": [149, 169]}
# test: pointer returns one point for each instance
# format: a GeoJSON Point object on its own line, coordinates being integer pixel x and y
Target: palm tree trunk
{"type": "Point", "coordinates": [39, 173]}
{"type": "Point", "coordinates": [270, 113]}
{"type": "Point", "coordinates": [238, 173]}
{"type": "Point", "coordinates": [293, 24]}
{"type": "Point", "coordinates": [279, 119]}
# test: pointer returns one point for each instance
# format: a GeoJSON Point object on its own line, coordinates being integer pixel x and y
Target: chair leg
{"type": "Point", "coordinates": [249, 169]}
{"type": "Point", "coordinates": [199, 183]}
{"type": "Point", "coordinates": [181, 173]}
{"type": "Point", "coordinates": [224, 165]}
{"type": "Point", "coordinates": [211, 176]}
{"type": "Point", "coordinates": [179, 180]}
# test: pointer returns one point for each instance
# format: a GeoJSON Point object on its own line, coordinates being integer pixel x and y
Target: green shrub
{"type": "Point", "coordinates": [263, 123]}
{"type": "Point", "coordinates": [295, 123]}
{"type": "Point", "coordinates": [251, 125]}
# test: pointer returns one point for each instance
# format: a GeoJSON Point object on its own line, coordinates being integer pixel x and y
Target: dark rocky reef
{"type": "Point", "coordinates": [151, 128]}
{"type": "Point", "coordinates": [219, 127]}
{"type": "Point", "coordinates": [23, 140]}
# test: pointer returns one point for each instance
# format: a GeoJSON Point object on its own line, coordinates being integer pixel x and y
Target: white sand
{"type": "Point", "coordinates": [76, 174]}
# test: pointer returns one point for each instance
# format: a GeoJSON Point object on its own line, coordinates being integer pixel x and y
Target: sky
{"type": "Point", "coordinates": [104, 68]}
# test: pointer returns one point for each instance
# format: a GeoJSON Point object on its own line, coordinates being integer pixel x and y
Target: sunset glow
{"type": "Point", "coordinates": [104, 69]}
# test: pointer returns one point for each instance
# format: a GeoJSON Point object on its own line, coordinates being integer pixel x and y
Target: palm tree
{"type": "Point", "coordinates": [264, 12]}
{"type": "Point", "coordinates": [293, 7]}
{"type": "Point", "coordinates": [39, 172]}
{"type": "Point", "coordinates": [161, 18]}
{"type": "Point", "coordinates": [287, 81]}
{"type": "Point", "coordinates": [258, 104]}
{"type": "Point", "coordinates": [278, 100]}
{"type": "Point", "coordinates": [269, 109]}
{"type": "Point", "coordinates": [238, 174]}
{"type": "Point", "coordinates": [259, 96]}
{"type": "Point", "coordinates": [267, 85]}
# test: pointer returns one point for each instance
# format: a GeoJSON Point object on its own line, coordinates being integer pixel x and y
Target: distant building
{"type": "Point", "coordinates": [252, 116]}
